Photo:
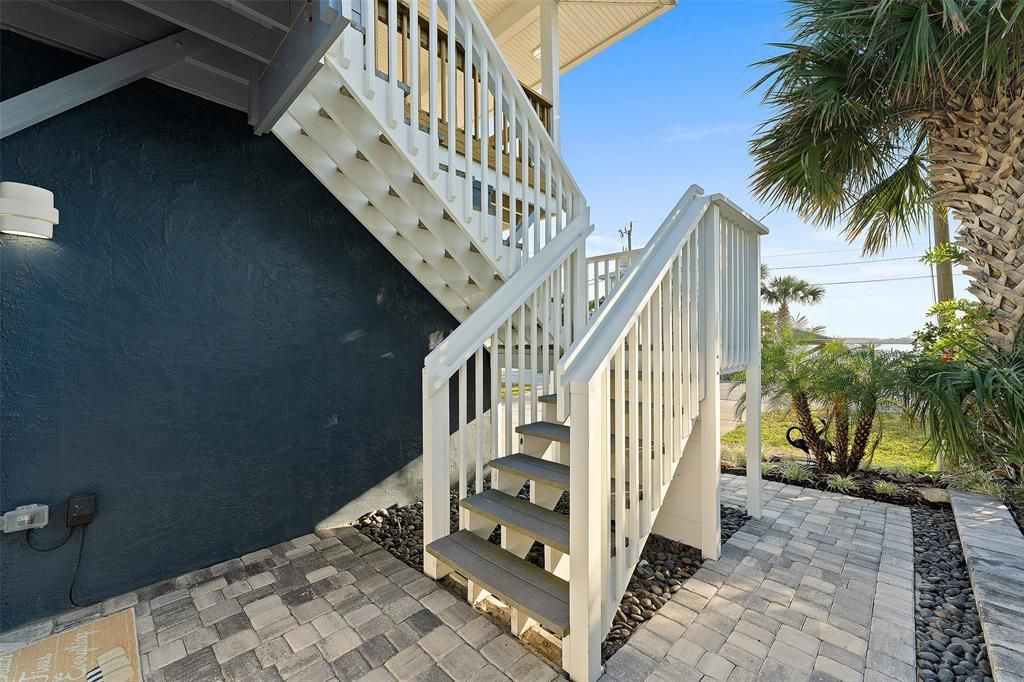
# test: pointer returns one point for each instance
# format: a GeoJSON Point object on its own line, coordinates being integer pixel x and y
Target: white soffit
{"type": "Point", "coordinates": [586, 27]}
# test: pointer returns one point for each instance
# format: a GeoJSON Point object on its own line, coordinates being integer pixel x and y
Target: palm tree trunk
{"type": "Point", "coordinates": [805, 420]}
{"type": "Point", "coordinates": [783, 314]}
{"type": "Point", "coordinates": [977, 169]}
{"type": "Point", "coordinates": [861, 436]}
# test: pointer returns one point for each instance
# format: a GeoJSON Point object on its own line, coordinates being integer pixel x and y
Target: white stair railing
{"type": "Point", "coordinates": [451, 105]}
{"type": "Point", "coordinates": [604, 273]}
{"type": "Point", "coordinates": [634, 384]}
{"type": "Point", "coordinates": [503, 358]}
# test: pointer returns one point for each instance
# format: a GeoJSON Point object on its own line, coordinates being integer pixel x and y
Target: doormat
{"type": "Point", "coordinates": [104, 650]}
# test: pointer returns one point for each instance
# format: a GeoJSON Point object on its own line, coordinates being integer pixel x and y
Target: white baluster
{"type": "Point", "coordinates": [485, 79]}
{"type": "Point", "coordinates": [370, 48]}
{"type": "Point", "coordinates": [453, 115]}
{"type": "Point", "coordinates": [393, 70]}
{"type": "Point", "coordinates": [432, 97]}
{"type": "Point", "coordinates": [415, 98]}
{"type": "Point", "coordinates": [469, 115]}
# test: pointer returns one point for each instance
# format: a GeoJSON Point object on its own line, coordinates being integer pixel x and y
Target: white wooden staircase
{"type": "Point", "coordinates": [603, 387]}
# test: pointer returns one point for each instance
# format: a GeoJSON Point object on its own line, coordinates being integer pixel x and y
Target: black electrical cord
{"type": "Point", "coordinates": [78, 561]}
{"type": "Point", "coordinates": [28, 540]}
{"type": "Point", "coordinates": [78, 566]}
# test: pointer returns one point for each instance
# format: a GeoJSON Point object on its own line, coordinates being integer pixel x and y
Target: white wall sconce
{"type": "Point", "coordinates": [26, 210]}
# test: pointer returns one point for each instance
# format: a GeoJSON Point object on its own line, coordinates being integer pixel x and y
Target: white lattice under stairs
{"type": "Point", "coordinates": [462, 223]}
{"type": "Point", "coordinates": [599, 379]}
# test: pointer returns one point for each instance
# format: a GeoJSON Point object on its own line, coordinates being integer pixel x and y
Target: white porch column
{"type": "Point", "coordinates": [753, 388]}
{"type": "Point", "coordinates": [710, 404]}
{"type": "Point", "coordinates": [549, 66]}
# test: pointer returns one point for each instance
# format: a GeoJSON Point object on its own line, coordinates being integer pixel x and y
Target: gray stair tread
{"type": "Point", "coordinates": [548, 430]}
{"type": "Point", "coordinates": [534, 469]}
{"type": "Point", "coordinates": [543, 525]}
{"type": "Point", "coordinates": [535, 592]}
{"type": "Point", "coordinates": [548, 399]}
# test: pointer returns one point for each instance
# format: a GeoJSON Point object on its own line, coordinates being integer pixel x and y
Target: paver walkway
{"type": "Point", "coordinates": [311, 609]}
{"type": "Point", "coordinates": [822, 587]}
{"type": "Point", "coordinates": [994, 550]}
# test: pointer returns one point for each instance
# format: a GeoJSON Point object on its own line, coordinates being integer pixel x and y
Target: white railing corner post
{"type": "Point", "coordinates": [581, 650]}
{"type": "Point", "coordinates": [710, 405]}
{"type": "Point", "coordinates": [753, 390]}
{"type": "Point", "coordinates": [550, 67]}
{"type": "Point", "coordinates": [435, 471]}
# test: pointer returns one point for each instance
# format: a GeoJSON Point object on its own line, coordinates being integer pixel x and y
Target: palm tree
{"type": "Point", "coordinates": [887, 109]}
{"type": "Point", "coordinates": [787, 289]}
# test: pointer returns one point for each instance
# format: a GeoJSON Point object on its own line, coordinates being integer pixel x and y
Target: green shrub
{"type": "Point", "coordinates": [972, 408]}
{"type": "Point", "coordinates": [840, 483]}
{"type": "Point", "coordinates": [957, 332]}
{"type": "Point", "coordinates": [795, 472]}
{"type": "Point", "coordinates": [733, 456]}
{"type": "Point", "coordinates": [887, 488]}
{"type": "Point", "coordinates": [975, 481]}
{"type": "Point", "coordinates": [769, 469]}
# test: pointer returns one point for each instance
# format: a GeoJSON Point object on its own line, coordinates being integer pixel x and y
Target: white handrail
{"type": "Point", "coordinates": [443, 362]}
{"type": "Point", "coordinates": [685, 213]}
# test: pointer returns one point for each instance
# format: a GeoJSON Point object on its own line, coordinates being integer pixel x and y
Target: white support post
{"type": "Point", "coordinates": [753, 387]}
{"type": "Point", "coordinates": [710, 404]}
{"type": "Point", "coordinates": [581, 650]}
{"type": "Point", "coordinates": [435, 473]}
{"type": "Point", "coordinates": [550, 68]}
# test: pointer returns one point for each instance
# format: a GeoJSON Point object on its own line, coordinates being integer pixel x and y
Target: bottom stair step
{"type": "Point", "coordinates": [535, 592]}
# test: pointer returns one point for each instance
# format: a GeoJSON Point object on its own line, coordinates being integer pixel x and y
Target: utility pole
{"type": "Point", "coordinates": [627, 234]}
{"type": "Point", "coordinates": [943, 271]}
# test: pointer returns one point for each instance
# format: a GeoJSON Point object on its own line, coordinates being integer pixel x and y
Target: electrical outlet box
{"type": "Point", "coordinates": [26, 517]}
{"type": "Point", "coordinates": [81, 509]}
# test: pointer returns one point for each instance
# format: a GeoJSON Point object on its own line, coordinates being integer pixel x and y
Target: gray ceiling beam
{"type": "Point", "coordinates": [46, 101]}
{"type": "Point", "coordinates": [274, 13]}
{"type": "Point", "coordinates": [297, 60]}
{"type": "Point", "coordinates": [219, 24]}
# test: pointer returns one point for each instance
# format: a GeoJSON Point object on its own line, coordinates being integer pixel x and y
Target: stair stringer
{"type": "Point", "coordinates": [422, 206]}
{"type": "Point", "coordinates": [313, 157]}
{"type": "Point", "coordinates": [335, 143]}
{"type": "Point", "coordinates": [453, 199]}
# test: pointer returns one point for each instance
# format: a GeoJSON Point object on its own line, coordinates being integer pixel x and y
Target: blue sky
{"type": "Point", "coordinates": [666, 108]}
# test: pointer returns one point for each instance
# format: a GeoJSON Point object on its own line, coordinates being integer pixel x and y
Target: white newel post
{"type": "Point", "coordinates": [435, 472]}
{"type": "Point", "coordinates": [581, 650]}
{"type": "Point", "coordinates": [710, 245]}
{"type": "Point", "coordinates": [753, 387]}
{"type": "Point", "coordinates": [549, 62]}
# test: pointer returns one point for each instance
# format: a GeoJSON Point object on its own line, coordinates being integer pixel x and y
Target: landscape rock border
{"type": "Point", "coordinates": [950, 643]}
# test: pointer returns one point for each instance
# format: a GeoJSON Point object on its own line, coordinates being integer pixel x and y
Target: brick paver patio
{"type": "Point", "coordinates": [311, 609]}
{"type": "Point", "coordinates": [822, 587]}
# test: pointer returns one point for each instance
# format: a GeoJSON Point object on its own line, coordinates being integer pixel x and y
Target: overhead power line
{"type": "Point", "coordinates": [851, 262]}
{"type": "Point", "coordinates": [868, 281]}
{"type": "Point", "coordinates": [807, 253]}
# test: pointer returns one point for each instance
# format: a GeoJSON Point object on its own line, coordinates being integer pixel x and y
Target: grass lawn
{"type": "Point", "coordinates": [902, 445]}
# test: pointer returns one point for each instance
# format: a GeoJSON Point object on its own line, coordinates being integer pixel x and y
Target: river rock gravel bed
{"type": "Point", "coordinates": [663, 566]}
{"type": "Point", "coordinates": [950, 643]}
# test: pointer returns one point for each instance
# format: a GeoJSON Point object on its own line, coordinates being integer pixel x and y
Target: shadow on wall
{"type": "Point", "coordinates": [210, 343]}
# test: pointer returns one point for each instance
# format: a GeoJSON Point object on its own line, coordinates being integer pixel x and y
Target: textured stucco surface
{"type": "Point", "coordinates": [211, 343]}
